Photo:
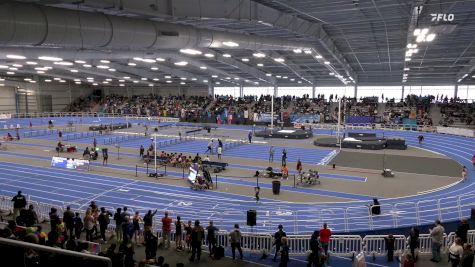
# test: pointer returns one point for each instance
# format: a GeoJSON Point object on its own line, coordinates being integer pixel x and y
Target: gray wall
{"type": "Point", "coordinates": [7, 99]}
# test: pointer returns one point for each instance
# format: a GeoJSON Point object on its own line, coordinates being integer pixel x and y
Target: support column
{"type": "Point", "coordinates": [402, 92]}
{"type": "Point", "coordinates": [276, 90]}
{"type": "Point", "coordinates": [313, 91]}
{"type": "Point", "coordinates": [456, 91]}
{"type": "Point", "coordinates": [241, 91]}
{"type": "Point", "coordinates": [356, 91]}
{"type": "Point", "coordinates": [26, 102]}
{"type": "Point", "coordinates": [210, 89]}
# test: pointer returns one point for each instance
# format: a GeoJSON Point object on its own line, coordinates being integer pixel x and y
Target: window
{"type": "Point", "coordinates": [466, 92]}
{"type": "Point", "coordinates": [233, 91]}
{"type": "Point", "coordinates": [294, 91]}
{"type": "Point", "coordinates": [337, 91]}
{"type": "Point", "coordinates": [445, 90]}
{"type": "Point", "coordinates": [381, 92]}
{"type": "Point", "coordinates": [258, 91]}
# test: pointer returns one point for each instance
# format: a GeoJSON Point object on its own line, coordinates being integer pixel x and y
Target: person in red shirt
{"type": "Point", "coordinates": [166, 229]}
{"type": "Point", "coordinates": [299, 166]}
{"type": "Point", "coordinates": [473, 161]}
{"type": "Point", "coordinates": [325, 235]}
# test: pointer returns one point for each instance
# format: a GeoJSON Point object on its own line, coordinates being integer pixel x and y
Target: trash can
{"type": "Point", "coordinates": [276, 187]}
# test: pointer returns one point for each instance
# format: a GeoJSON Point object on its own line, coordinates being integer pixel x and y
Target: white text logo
{"type": "Point", "coordinates": [442, 17]}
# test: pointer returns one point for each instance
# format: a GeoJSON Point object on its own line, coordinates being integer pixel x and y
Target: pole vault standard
{"type": "Point", "coordinates": [272, 112]}
{"type": "Point", "coordinates": [338, 126]}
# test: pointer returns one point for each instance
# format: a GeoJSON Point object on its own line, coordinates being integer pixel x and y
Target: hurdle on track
{"type": "Point", "coordinates": [121, 139]}
{"type": "Point", "coordinates": [175, 141]}
{"type": "Point", "coordinates": [44, 132]}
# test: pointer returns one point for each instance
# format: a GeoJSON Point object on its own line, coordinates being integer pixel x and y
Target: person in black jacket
{"type": "Point", "coordinates": [151, 245]}
{"type": "Point", "coordinates": [462, 230]}
{"type": "Point", "coordinates": [68, 219]}
{"type": "Point", "coordinates": [78, 225]}
{"type": "Point", "coordinates": [19, 203]}
{"type": "Point", "coordinates": [414, 241]}
{"type": "Point", "coordinates": [54, 219]}
{"type": "Point", "coordinates": [314, 257]}
{"type": "Point", "coordinates": [118, 224]}
{"type": "Point", "coordinates": [278, 240]}
{"type": "Point", "coordinates": [390, 240]}
{"type": "Point", "coordinates": [104, 220]}
{"type": "Point", "coordinates": [31, 218]}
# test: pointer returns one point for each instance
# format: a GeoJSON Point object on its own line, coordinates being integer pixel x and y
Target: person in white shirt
{"type": "Point", "coordinates": [220, 152]}
{"type": "Point", "coordinates": [456, 252]}
{"type": "Point", "coordinates": [437, 236]}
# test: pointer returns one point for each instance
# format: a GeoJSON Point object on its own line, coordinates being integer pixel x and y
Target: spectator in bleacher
{"type": "Point", "coordinates": [89, 225]}
{"type": "Point", "coordinates": [178, 233]}
{"type": "Point", "coordinates": [390, 241]}
{"type": "Point", "coordinates": [325, 235]}
{"type": "Point", "coordinates": [278, 240]}
{"type": "Point", "coordinates": [166, 229]}
{"type": "Point", "coordinates": [136, 220]}
{"type": "Point", "coordinates": [19, 203]}
{"type": "Point", "coordinates": [104, 220]}
{"type": "Point", "coordinates": [467, 256]}
{"type": "Point", "coordinates": [148, 219]}
{"type": "Point", "coordinates": [78, 225]}
{"type": "Point", "coordinates": [125, 221]}
{"type": "Point", "coordinates": [456, 252]}
{"type": "Point", "coordinates": [462, 230]}
{"type": "Point", "coordinates": [54, 219]}
{"type": "Point", "coordinates": [211, 238]}
{"type": "Point", "coordinates": [197, 235]}
{"type": "Point", "coordinates": [31, 218]}
{"type": "Point", "coordinates": [437, 238]}
{"type": "Point", "coordinates": [414, 241]}
{"type": "Point", "coordinates": [271, 154]}
{"type": "Point", "coordinates": [235, 240]}
{"type": "Point", "coordinates": [118, 224]}
{"type": "Point", "coordinates": [315, 255]}
{"type": "Point", "coordinates": [68, 219]}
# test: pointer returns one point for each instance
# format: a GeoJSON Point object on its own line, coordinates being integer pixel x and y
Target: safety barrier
{"type": "Point", "coordinates": [44, 132]}
{"type": "Point", "coordinates": [121, 139]}
{"type": "Point", "coordinates": [376, 245]}
{"type": "Point", "coordinates": [175, 141]}
{"type": "Point", "coordinates": [81, 135]}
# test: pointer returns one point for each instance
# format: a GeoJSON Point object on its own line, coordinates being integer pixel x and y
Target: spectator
{"type": "Point", "coordinates": [188, 230]}
{"type": "Point", "coordinates": [31, 218]}
{"type": "Point", "coordinates": [462, 230]}
{"type": "Point", "coordinates": [54, 219]}
{"type": "Point", "coordinates": [211, 238]}
{"type": "Point", "coordinates": [104, 220]}
{"type": "Point", "coordinates": [68, 219]}
{"type": "Point", "coordinates": [125, 220]}
{"type": "Point", "coordinates": [197, 235]}
{"type": "Point", "coordinates": [414, 241]}
{"type": "Point", "coordinates": [220, 152]}
{"type": "Point", "coordinates": [249, 136]}
{"type": "Point", "coordinates": [456, 252]}
{"type": "Point", "coordinates": [278, 240]}
{"type": "Point", "coordinates": [78, 225]}
{"type": "Point", "coordinates": [178, 234]}
{"type": "Point", "coordinates": [19, 203]}
{"type": "Point", "coordinates": [325, 235]}
{"type": "Point", "coordinates": [235, 239]}
{"type": "Point", "coordinates": [314, 257]}
{"type": "Point", "coordinates": [136, 220]}
{"type": "Point", "coordinates": [467, 256]}
{"type": "Point", "coordinates": [390, 240]}
{"type": "Point", "coordinates": [299, 166]}
{"type": "Point", "coordinates": [148, 220]}
{"type": "Point", "coordinates": [166, 229]}
{"type": "Point", "coordinates": [408, 261]}
{"type": "Point", "coordinates": [151, 244]}
{"type": "Point", "coordinates": [437, 237]}
{"type": "Point", "coordinates": [89, 225]}
{"type": "Point", "coordinates": [118, 225]}
{"type": "Point", "coordinates": [284, 254]}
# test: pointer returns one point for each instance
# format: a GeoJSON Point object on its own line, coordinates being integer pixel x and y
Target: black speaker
{"type": "Point", "coordinates": [251, 217]}
{"type": "Point", "coordinates": [473, 213]}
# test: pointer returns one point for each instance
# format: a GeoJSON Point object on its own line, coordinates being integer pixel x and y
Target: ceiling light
{"type": "Point", "coordinates": [409, 46]}
{"type": "Point", "coordinates": [256, 83]}
{"type": "Point", "coordinates": [1, 79]}
{"type": "Point", "coordinates": [214, 76]}
{"type": "Point", "coordinates": [143, 79]}
{"type": "Point", "coordinates": [279, 59]}
{"type": "Point", "coordinates": [417, 32]}
{"type": "Point", "coordinates": [105, 82]}
{"type": "Point", "coordinates": [407, 59]}
{"type": "Point", "coordinates": [209, 55]}
{"type": "Point", "coordinates": [408, 53]}
{"type": "Point", "coordinates": [109, 80]}
{"type": "Point", "coordinates": [111, 70]}
{"type": "Point", "coordinates": [3, 67]}
{"type": "Point", "coordinates": [260, 65]}
{"type": "Point", "coordinates": [245, 60]}
{"type": "Point", "coordinates": [424, 31]}
{"type": "Point", "coordinates": [77, 82]}
{"type": "Point", "coordinates": [154, 68]}
{"type": "Point", "coordinates": [48, 58]}
{"type": "Point", "coordinates": [205, 81]}
{"type": "Point", "coordinates": [430, 37]}
{"type": "Point", "coordinates": [31, 63]}
{"type": "Point", "coordinates": [228, 78]}
{"type": "Point", "coordinates": [160, 59]}
{"type": "Point", "coordinates": [268, 74]}
{"type": "Point", "coordinates": [11, 68]}
{"type": "Point", "coordinates": [278, 76]}
{"type": "Point", "coordinates": [135, 81]}
{"type": "Point", "coordinates": [182, 83]}
{"type": "Point", "coordinates": [183, 78]}
{"type": "Point", "coordinates": [218, 83]}
{"type": "Point", "coordinates": [168, 81]}
{"type": "Point", "coordinates": [331, 74]}
{"type": "Point", "coordinates": [16, 56]}
{"type": "Point", "coordinates": [126, 77]}
{"type": "Point", "coordinates": [10, 73]}
{"type": "Point", "coordinates": [406, 69]}
{"type": "Point", "coordinates": [259, 55]}
{"type": "Point", "coordinates": [415, 51]}
{"type": "Point", "coordinates": [102, 67]}
{"type": "Point", "coordinates": [87, 66]}
{"type": "Point", "coordinates": [181, 63]}
{"type": "Point", "coordinates": [131, 64]}
{"type": "Point", "coordinates": [149, 60]}
{"type": "Point", "coordinates": [47, 80]}
{"type": "Point", "coordinates": [121, 85]}
{"type": "Point", "coordinates": [95, 84]}
{"type": "Point", "coordinates": [420, 38]}
{"type": "Point", "coordinates": [189, 51]}
{"type": "Point", "coordinates": [226, 55]}
{"type": "Point", "coordinates": [32, 81]}
{"type": "Point", "coordinates": [27, 79]}
{"type": "Point", "coordinates": [63, 63]}
{"type": "Point", "coordinates": [80, 61]}
{"type": "Point", "coordinates": [203, 67]}
{"type": "Point", "coordinates": [299, 81]}
{"type": "Point", "coordinates": [318, 57]}
{"type": "Point", "coordinates": [17, 65]}
{"type": "Point", "coordinates": [297, 51]}
{"type": "Point", "coordinates": [292, 79]}
{"type": "Point", "coordinates": [230, 44]}
{"type": "Point", "coordinates": [57, 79]}
{"type": "Point", "coordinates": [137, 58]}
{"type": "Point", "coordinates": [194, 79]}
{"type": "Point", "coordinates": [285, 77]}
{"type": "Point", "coordinates": [62, 81]}
{"type": "Point", "coordinates": [307, 51]}
{"type": "Point", "coordinates": [121, 81]}
{"type": "Point", "coordinates": [73, 70]}
{"type": "Point", "coordinates": [156, 79]}
{"type": "Point", "coordinates": [89, 78]}
{"type": "Point", "coordinates": [326, 62]}
{"type": "Point", "coordinates": [105, 61]}
{"type": "Point", "coordinates": [150, 84]}
{"type": "Point", "coordinates": [168, 77]}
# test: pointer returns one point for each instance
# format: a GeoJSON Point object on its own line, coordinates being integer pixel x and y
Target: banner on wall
{"type": "Point", "coordinates": [168, 119]}
{"type": "Point", "coordinates": [265, 117]}
{"type": "Point", "coordinates": [302, 118]}
{"type": "Point", "coordinates": [455, 131]}
{"type": "Point", "coordinates": [70, 163]}
{"type": "Point", "coordinates": [5, 116]}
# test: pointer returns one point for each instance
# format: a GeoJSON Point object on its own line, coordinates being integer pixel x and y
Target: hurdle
{"type": "Point", "coordinates": [121, 139]}
{"type": "Point", "coordinates": [175, 141]}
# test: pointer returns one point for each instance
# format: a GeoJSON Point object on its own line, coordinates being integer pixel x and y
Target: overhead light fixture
{"type": "Point", "coordinates": [48, 58]}
{"type": "Point", "coordinates": [47, 81]}
{"type": "Point", "coordinates": [105, 61]}
{"type": "Point", "coordinates": [408, 53]}
{"type": "Point", "coordinates": [150, 84]}
{"type": "Point", "coordinates": [279, 59]}
{"type": "Point", "coordinates": [203, 67]}
{"type": "Point", "coordinates": [331, 74]}
{"type": "Point", "coordinates": [10, 73]}
{"type": "Point", "coordinates": [205, 81]}
{"type": "Point", "coordinates": [245, 60]}
{"type": "Point", "coordinates": [126, 77]}
{"type": "Point", "coordinates": [17, 65]}
{"type": "Point", "coordinates": [62, 81]}
{"type": "Point", "coordinates": [12, 68]}
{"type": "Point", "coordinates": [105, 82]}
{"type": "Point", "coordinates": [420, 38]}
{"type": "Point", "coordinates": [168, 81]}
{"type": "Point", "coordinates": [190, 51]}
{"type": "Point", "coordinates": [95, 84]}
{"type": "Point", "coordinates": [194, 79]}
{"type": "Point", "coordinates": [159, 59]}
{"type": "Point", "coordinates": [326, 62]}
{"type": "Point", "coordinates": [109, 79]}
{"type": "Point", "coordinates": [131, 64]}
{"type": "Point", "coordinates": [32, 81]}
{"type": "Point", "coordinates": [143, 79]}
{"type": "Point", "coordinates": [16, 57]}
{"type": "Point", "coordinates": [156, 79]}
{"type": "Point", "coordinates": [214, 76]}
{"type": "Point", "coordinates": [218, 83]}
{"type": "Point", "coordinates": [154, 68]}
{"type": "Point", "coordinates": [149, 60]}
{"type": "Point", "coordinates": [268, 74]}
{"type": "Point", "coordinates": [102, 67]}
{"type": "Point", "coordinates": [256, 83]}
{"type": "Point", "coordinates": [407, 59]}
{"type": "Point", "coordinates": [121, 85]}
{"type": "Point", "coordinates": [278, 76]}
{"type": "Point", "coordinates": [57, 79]}
{"type": "Point", "coordinates": [112, 70]}
{"type": "Point", "coordinates": [307, 51]}
{"type": "Point", "coordinates": [31, 63]}
{"type": "Point", "coordinates": [64, 63]}
{"type": "Point", "coordinates": [27, 79]}
{"type": "Point", "coordinates": [209, 55]}
{"type": "Point", "coordinates": [292, 79]}
{"type": "Point", "coordinates": [135, 81]}
{"type": "Point", "coordinates": [87, 66]}
{"type": "Point", "coordinates": [122, 81]}
{"type": "Point", "coordinates": [297, 51]}
{"type": "Point", "coordinates": [406, 69]}
{"type": "Point", "coordinates": [299, 81]}
{"type": "Point", "coordinates": [259, 55]}
{"type": "Point", "coordinates": [430, 37]}
{"type": "Point", "coordinates": [89, 78]}
{"type": "Point", "coordinates": [183, 78]}
{"type": "Point", "coordinates": [3, 67]}
{"type": "Point", "coordinates": [318, 57]}
{"type": "Point", "coordinates": [226, 55]}
{"type": "Point", "coordinates": [168, 77]}
{"type": "Point", "coordinates": [74, 71]}
{"type": "Point", "coordinates": [417, 32]}
{"type": "Point", "coordinates": [260, 65]}
{"type": "Point", "coordinates": [181, 63]}
{"type": "Point", "coordinates": [77, 82]}
{"type": "Point", "coordinates": [80, 61]}
{"type": "Point", "coordinates": [182, 83]}
{"type": "Point", "coordinates": [230, 44]}
{"type": "Point", "coordinates": [137, 58]}
{"type": "Point", "coordinates": [285, 77]}
{"type": "Point", "coordinates": [228, 78]}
